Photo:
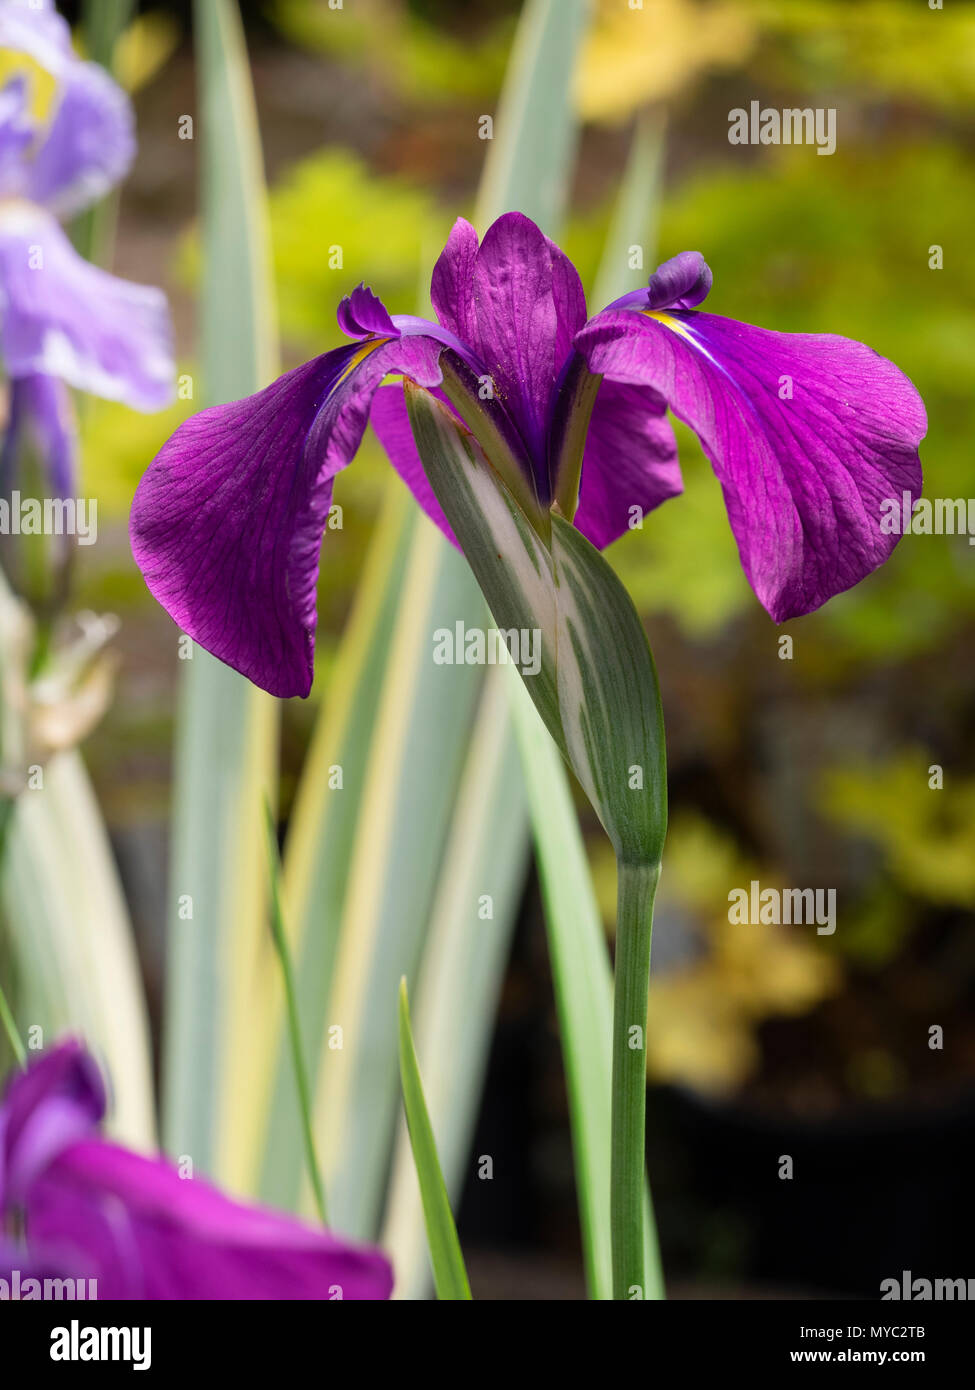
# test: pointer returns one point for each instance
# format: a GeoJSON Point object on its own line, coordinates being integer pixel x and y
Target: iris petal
{"type": "Point", "coordinates": [63, 317]}
{"type": "Point", "coordinates": [89, 142]}
{"type": "Point", "coordinates": [630, 461]}
{"type": "Point", "coordinates": [390, 420]}
{"type": "Point", "coordinates": [807, 435]}
{"type": "Point", "coordinates": [96, 1211]}
{"type": "Point", "coordinates": [56, 1101]}
{"type": "Point", "coordinates": [143, 1231]}
{"type": "Point", "coordinates": [227, 521]}
{"type": "Point", "coordinates": [452, 285]}
{"type": "Point", "coordinates": [528, 303]}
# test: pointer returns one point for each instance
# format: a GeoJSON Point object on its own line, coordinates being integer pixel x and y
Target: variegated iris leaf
{"type": "Point", "coordinates": [596, 689]}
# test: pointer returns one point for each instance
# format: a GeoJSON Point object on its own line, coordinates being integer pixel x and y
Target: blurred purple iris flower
{"type": "Point", "coordinates": [74, 1206]}
{"type": "Point", "coordinates": [66, 138]}
{"type": "Point", "coordinates": [807, 434]}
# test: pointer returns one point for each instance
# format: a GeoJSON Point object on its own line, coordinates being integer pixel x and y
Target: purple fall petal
{"type": "Point", "coordinates": [146, 1233]}
{"type": "Point", "coordinates": [803, 478]}
{"type": "Point", "coordinates": [227, 521]}
{"type": "Point", "coordinates": [88, 146]}
{"type": "Point", "coordinates": [63, 317]}
{"type": "Point", "coordinates": [56, 1101]}
{"type": "Point", "coordinates": [17, 135]}
{"type": "Point", "coordinates": [96, 1211]}
{"type": "Point", "coordinates": [390, 420]}
{"type": "Point", "coordinates": [630, 460]}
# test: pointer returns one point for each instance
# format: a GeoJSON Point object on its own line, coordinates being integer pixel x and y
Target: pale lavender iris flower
{"type": "Point", "coordinates": [807, 434]}
{"type": "Point", "coordinates": [74, 1206]}
{"type": "Point", "coordinates": [66, 139]}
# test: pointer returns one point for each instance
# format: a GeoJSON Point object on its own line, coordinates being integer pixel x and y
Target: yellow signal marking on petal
{"type": "Point", "coordinates": [673, 324]}
{"type": "Point", "coordinates": [41, 84]}
{"type": "Point", "coordinates": [359, 357]}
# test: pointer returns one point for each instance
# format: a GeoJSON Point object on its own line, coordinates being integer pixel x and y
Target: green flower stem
{"type": "Point", "coordinates": [635, 894]}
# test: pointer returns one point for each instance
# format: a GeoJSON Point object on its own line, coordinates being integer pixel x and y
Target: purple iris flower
{"type": "Point", "coordinates": [807, 434]}
{"type": "Point", "coordinates": [66, 138]}
{"type": "Point", "coordinates": [88, 1209]}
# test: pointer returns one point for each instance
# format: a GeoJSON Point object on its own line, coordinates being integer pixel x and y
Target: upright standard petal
{"type": "Point", "coordinates": [808, 435]}
{"type": "Point", "coordinates": [528, 305]}
{"type": "Point", "coordinates": [95, 1211]}
{"type": "Point", "coordinates": [227, 521]}
{"type": "Point", "coordinates": [452, 285]}
{"type": "Point", "coordinates": [60, 316]}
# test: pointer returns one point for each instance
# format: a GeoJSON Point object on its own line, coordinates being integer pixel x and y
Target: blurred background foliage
{"type": "Point", "coordinates": [807, 771]}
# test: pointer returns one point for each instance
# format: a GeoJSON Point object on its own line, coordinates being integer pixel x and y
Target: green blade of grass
{"type": "Point", "coordinates": [65, 916]}
{"type": "Point", "coordinates": [294, 1032]}
{"type": "Point", "coordinates": [103, 21]}
{"type": "Point", "coordinates": [528, 167]}
{"type": "Point", "coordinates": [459, 979]}
{"type": "Point", "coordinates": [449, 1273]}
{"type": "Point", "coordinates": [226, 738]}
{"type": "Point", "coordinates": [416, 752]}
{"type": "Point", "coordinates": [321, 838]}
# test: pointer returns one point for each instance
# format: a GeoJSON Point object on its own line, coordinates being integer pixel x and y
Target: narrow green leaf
{"type": "Point", "coordinates": [535, 131]}
{"type": "Point", "coordinates": [529, 168]}
{"type": "Point", "coordinates": [103, 21]}
{"type": "Point", "coordinates": [297, 1053]}
{"type": "Point", "coordinates": [10, 1028]}
{"type": "Point", "coordinates": [226, 738]}
{"type": "Point", "coordinates": [449, 1273]}
{"type": "Point", "coordinates": [321, 837]}
{"type": "Point", "coordinates": [415, 757]}
{"type": "Point", "coordinates": [634, 221]}
{"type": "Point", "coordinates": [464, 957]}
{"type": "Point", "coordinates": [582, 979]}
{"type": "Point", "coordinates": [65, 915]}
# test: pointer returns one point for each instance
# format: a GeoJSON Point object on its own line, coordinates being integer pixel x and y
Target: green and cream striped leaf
{"type": "Point", "coordinates": [509, 560]}
{"type": "Point", "coordinates": [596, 689]}
{"type": "Point", "coordinates": [221, 964]}
{"type": "Point", "coordinates": [609, 698]}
